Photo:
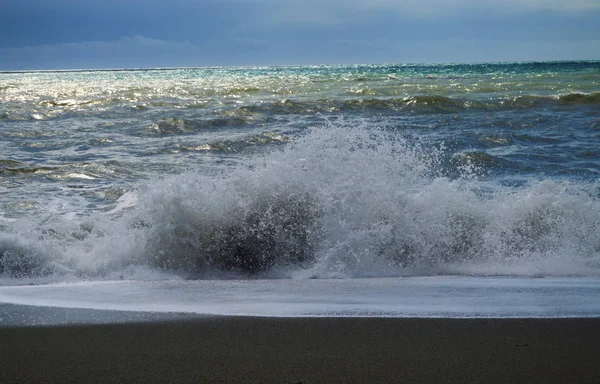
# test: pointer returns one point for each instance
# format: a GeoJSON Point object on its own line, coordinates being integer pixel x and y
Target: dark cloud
{"type": "Point", "coordinates": [63, 34]}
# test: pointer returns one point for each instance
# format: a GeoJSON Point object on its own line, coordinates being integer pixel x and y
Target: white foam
{"type": "Point", "coordinates": [441, 296]}
{"type": "Point", "coordinates": [382, 206]}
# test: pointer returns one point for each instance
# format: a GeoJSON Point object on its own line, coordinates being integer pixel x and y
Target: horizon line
{"type": "Point", "coordinates": [133, 69]}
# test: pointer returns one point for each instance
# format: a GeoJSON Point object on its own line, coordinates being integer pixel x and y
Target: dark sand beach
{"type": "Point", "coordinates": [306, 350]}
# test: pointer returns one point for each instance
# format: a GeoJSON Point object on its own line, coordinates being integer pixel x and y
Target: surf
{"type": "Point", "coordinates": [342, 200]}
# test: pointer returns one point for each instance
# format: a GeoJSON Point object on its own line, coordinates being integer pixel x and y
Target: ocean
{"type": "Point", "coordinates": [154, 185]}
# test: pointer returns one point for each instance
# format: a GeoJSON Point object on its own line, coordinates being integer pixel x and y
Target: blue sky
{"type": "Point", "coordinates": [68, 34]}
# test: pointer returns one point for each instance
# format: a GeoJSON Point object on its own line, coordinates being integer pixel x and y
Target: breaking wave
{"type": "Point", "coordinates": [343, 200]}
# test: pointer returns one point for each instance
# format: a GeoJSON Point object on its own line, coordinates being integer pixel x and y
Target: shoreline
{"type": "Point", "coordinates": [22, 315]}
{"type": "Point", "coordinates": [306, 350]}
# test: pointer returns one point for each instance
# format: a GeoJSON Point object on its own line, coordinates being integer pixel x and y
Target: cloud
{"type": "Point", "coordinates": [137, 52]}
{"type": "Point", "coordinates": [515, 5]}
{"type": "Point", "coordinates": [263, 32]}
{"type": "Point", "coordinates": [388, 50]}
{"type": "Point", "coordinates": [122, 44]}
{"type": "Point", "coordinates": [130, 51]}
{"type": "Point", "coordinates": [335, 12]}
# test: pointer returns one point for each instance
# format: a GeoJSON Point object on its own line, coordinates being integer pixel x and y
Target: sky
{"type": "Point", "coordinates": [94, 34]}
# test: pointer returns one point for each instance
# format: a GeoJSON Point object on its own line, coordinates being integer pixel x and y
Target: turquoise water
{"type": "Point", "coordinates": [325, 171]}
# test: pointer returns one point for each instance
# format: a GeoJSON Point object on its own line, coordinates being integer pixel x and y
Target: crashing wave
{"type": "Point", "coordinates": [343, 200]}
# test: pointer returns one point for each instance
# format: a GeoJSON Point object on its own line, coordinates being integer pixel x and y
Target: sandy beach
{"type": "Point", "coordinates": [306, 350]}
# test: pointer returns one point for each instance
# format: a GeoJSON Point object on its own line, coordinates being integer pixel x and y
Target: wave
{"type": "Point", "coordinates": [343, 200]}
{"type": "Point", "coordinates": [174, 125]}
{"type": "Point", "coordinates": [20, 258]}
{"type": "Point", "coordinates": [423, 104]}
{"type": "Point", "coordinates": [223, 114]}
{"type": "Point", "coordinates": [580, 98]}
{"type": "Point", "coordinates": [234, 146]}
{"type": "Point", "coordinates": [361, 204]}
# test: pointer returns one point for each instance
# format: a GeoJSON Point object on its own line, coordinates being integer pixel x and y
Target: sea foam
{"type": "Point", "coordinates": [341, 200]}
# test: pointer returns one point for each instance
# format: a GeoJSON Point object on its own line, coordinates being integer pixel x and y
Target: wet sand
{"type": "Point", "coordinates": [306, 350]}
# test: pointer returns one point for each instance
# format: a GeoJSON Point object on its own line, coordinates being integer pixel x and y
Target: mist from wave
{"type": "Point", "coordinates": [344, 200]}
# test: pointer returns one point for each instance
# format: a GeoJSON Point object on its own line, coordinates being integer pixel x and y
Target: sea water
{"type": "Point", "coordinates": [300, 176]}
